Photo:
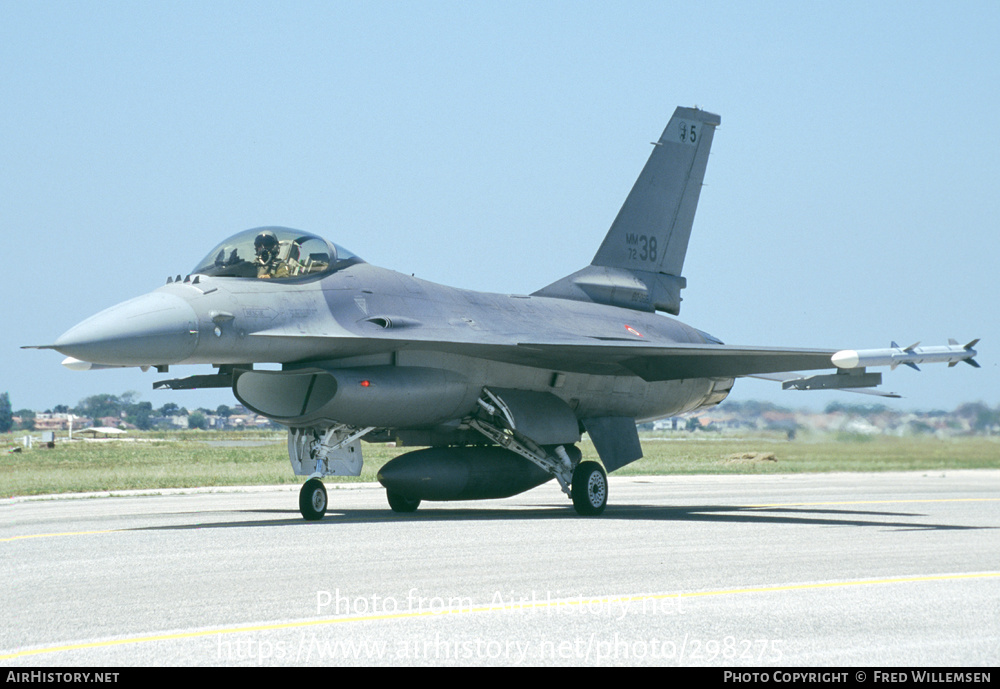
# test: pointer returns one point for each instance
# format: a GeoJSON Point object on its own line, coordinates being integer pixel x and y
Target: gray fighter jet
{"type": "Point", "coordinates": [497, 388]}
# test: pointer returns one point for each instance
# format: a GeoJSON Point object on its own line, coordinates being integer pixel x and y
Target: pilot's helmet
{"type": "Point", "coordinates": [265, 241]}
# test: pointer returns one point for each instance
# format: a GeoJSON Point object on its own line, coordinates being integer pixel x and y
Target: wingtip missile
{"type": "Point", "coordinates": [908, 356]}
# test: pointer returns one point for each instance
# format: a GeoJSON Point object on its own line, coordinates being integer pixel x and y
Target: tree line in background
{"type": "Point", "coordinates": [126, 407]}
{"type": "Point", "coordinates": [981, 417]}
{"type": "Point", "coordinates": [6, 415]}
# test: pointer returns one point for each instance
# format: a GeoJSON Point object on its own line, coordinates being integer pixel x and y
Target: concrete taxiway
{"type": "Point", "coordinates": [830, 569]}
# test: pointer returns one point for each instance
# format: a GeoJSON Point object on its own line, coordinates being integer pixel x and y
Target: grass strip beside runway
{"type": "Point", "coordinates": [188, 460]}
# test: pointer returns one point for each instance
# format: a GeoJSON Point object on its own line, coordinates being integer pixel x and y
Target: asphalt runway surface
{"type": "Point", "coordinates": [781, 570]}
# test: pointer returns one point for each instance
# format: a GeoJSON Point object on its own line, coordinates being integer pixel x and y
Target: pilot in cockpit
{"type": "Point", "coordinates": [269, 264]}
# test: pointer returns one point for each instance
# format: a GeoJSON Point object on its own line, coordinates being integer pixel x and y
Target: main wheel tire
{"type": "Point", "coordinates": [589, 489]}
{"type": "Point", "coordinates": [312, 500]}
{"type": "Point", "coordinates": [400, 504]}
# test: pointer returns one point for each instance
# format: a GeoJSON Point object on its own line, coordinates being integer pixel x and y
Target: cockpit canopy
{"type": "Point", "coordinates": [298, 254]}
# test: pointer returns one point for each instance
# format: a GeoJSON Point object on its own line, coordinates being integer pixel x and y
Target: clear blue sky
{"type": "Point", "coordinates": [851, 195]}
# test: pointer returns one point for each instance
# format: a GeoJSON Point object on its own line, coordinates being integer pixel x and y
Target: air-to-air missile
{"type": "Point", "coordinates": [893, 356]}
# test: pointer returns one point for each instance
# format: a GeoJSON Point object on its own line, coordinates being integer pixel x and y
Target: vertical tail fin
{"type": "Point", "coordinates": [640, 261]}
{"type": "Point", "coordinates": [653, 226]}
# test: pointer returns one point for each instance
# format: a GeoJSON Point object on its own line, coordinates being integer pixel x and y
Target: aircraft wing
{"type": "Point", "coordinates": [789, 366]}
{"type": "Point", "coordinates": [648, 361]}
{"type": "Point", "coordinates": [656, 363]}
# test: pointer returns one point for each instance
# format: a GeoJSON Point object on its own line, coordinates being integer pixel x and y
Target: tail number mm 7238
{"type": "Point", "coordinates": [640, 247]}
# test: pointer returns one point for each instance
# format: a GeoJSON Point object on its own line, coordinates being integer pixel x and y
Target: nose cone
{"type": "Point", "coordinates": [150, 330]}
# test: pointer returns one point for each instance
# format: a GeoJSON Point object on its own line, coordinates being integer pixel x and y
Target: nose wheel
{"type": "Point", "coordinates": [312, 500]}
{"type": "Point", "coordinates": [589, 489]}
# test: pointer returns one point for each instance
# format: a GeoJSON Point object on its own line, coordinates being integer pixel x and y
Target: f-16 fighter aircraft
{"type": "Point", "coordinates": [498, 388]}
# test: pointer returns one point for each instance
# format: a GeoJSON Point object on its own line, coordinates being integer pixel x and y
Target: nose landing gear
{"type": "Point", "coordinates": [312, 500]}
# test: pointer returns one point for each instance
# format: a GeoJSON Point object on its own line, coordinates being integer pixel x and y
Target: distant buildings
{"type": "Point", "coordinates": [968, 419]}
{"type": "Point", "coordinates": [239, 419]}
{"type": "Point", "coordinates": [61, 422]}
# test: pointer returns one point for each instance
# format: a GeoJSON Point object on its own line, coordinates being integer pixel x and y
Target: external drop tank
{"type": "Point", "coordinates": [461, 473]}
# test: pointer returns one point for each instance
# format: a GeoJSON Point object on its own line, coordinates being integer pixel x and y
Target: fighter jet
{"type": "Point", "coordinates": [497, 388]}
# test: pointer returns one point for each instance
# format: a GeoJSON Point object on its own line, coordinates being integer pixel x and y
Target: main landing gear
{"type": "Point", "coordinates": [589, 489]}
{"type": "Point", "coordinates": [586, 483]}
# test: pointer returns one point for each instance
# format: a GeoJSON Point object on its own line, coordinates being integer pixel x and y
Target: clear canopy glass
{"type": "Point", "coordinates": [277, 253]}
